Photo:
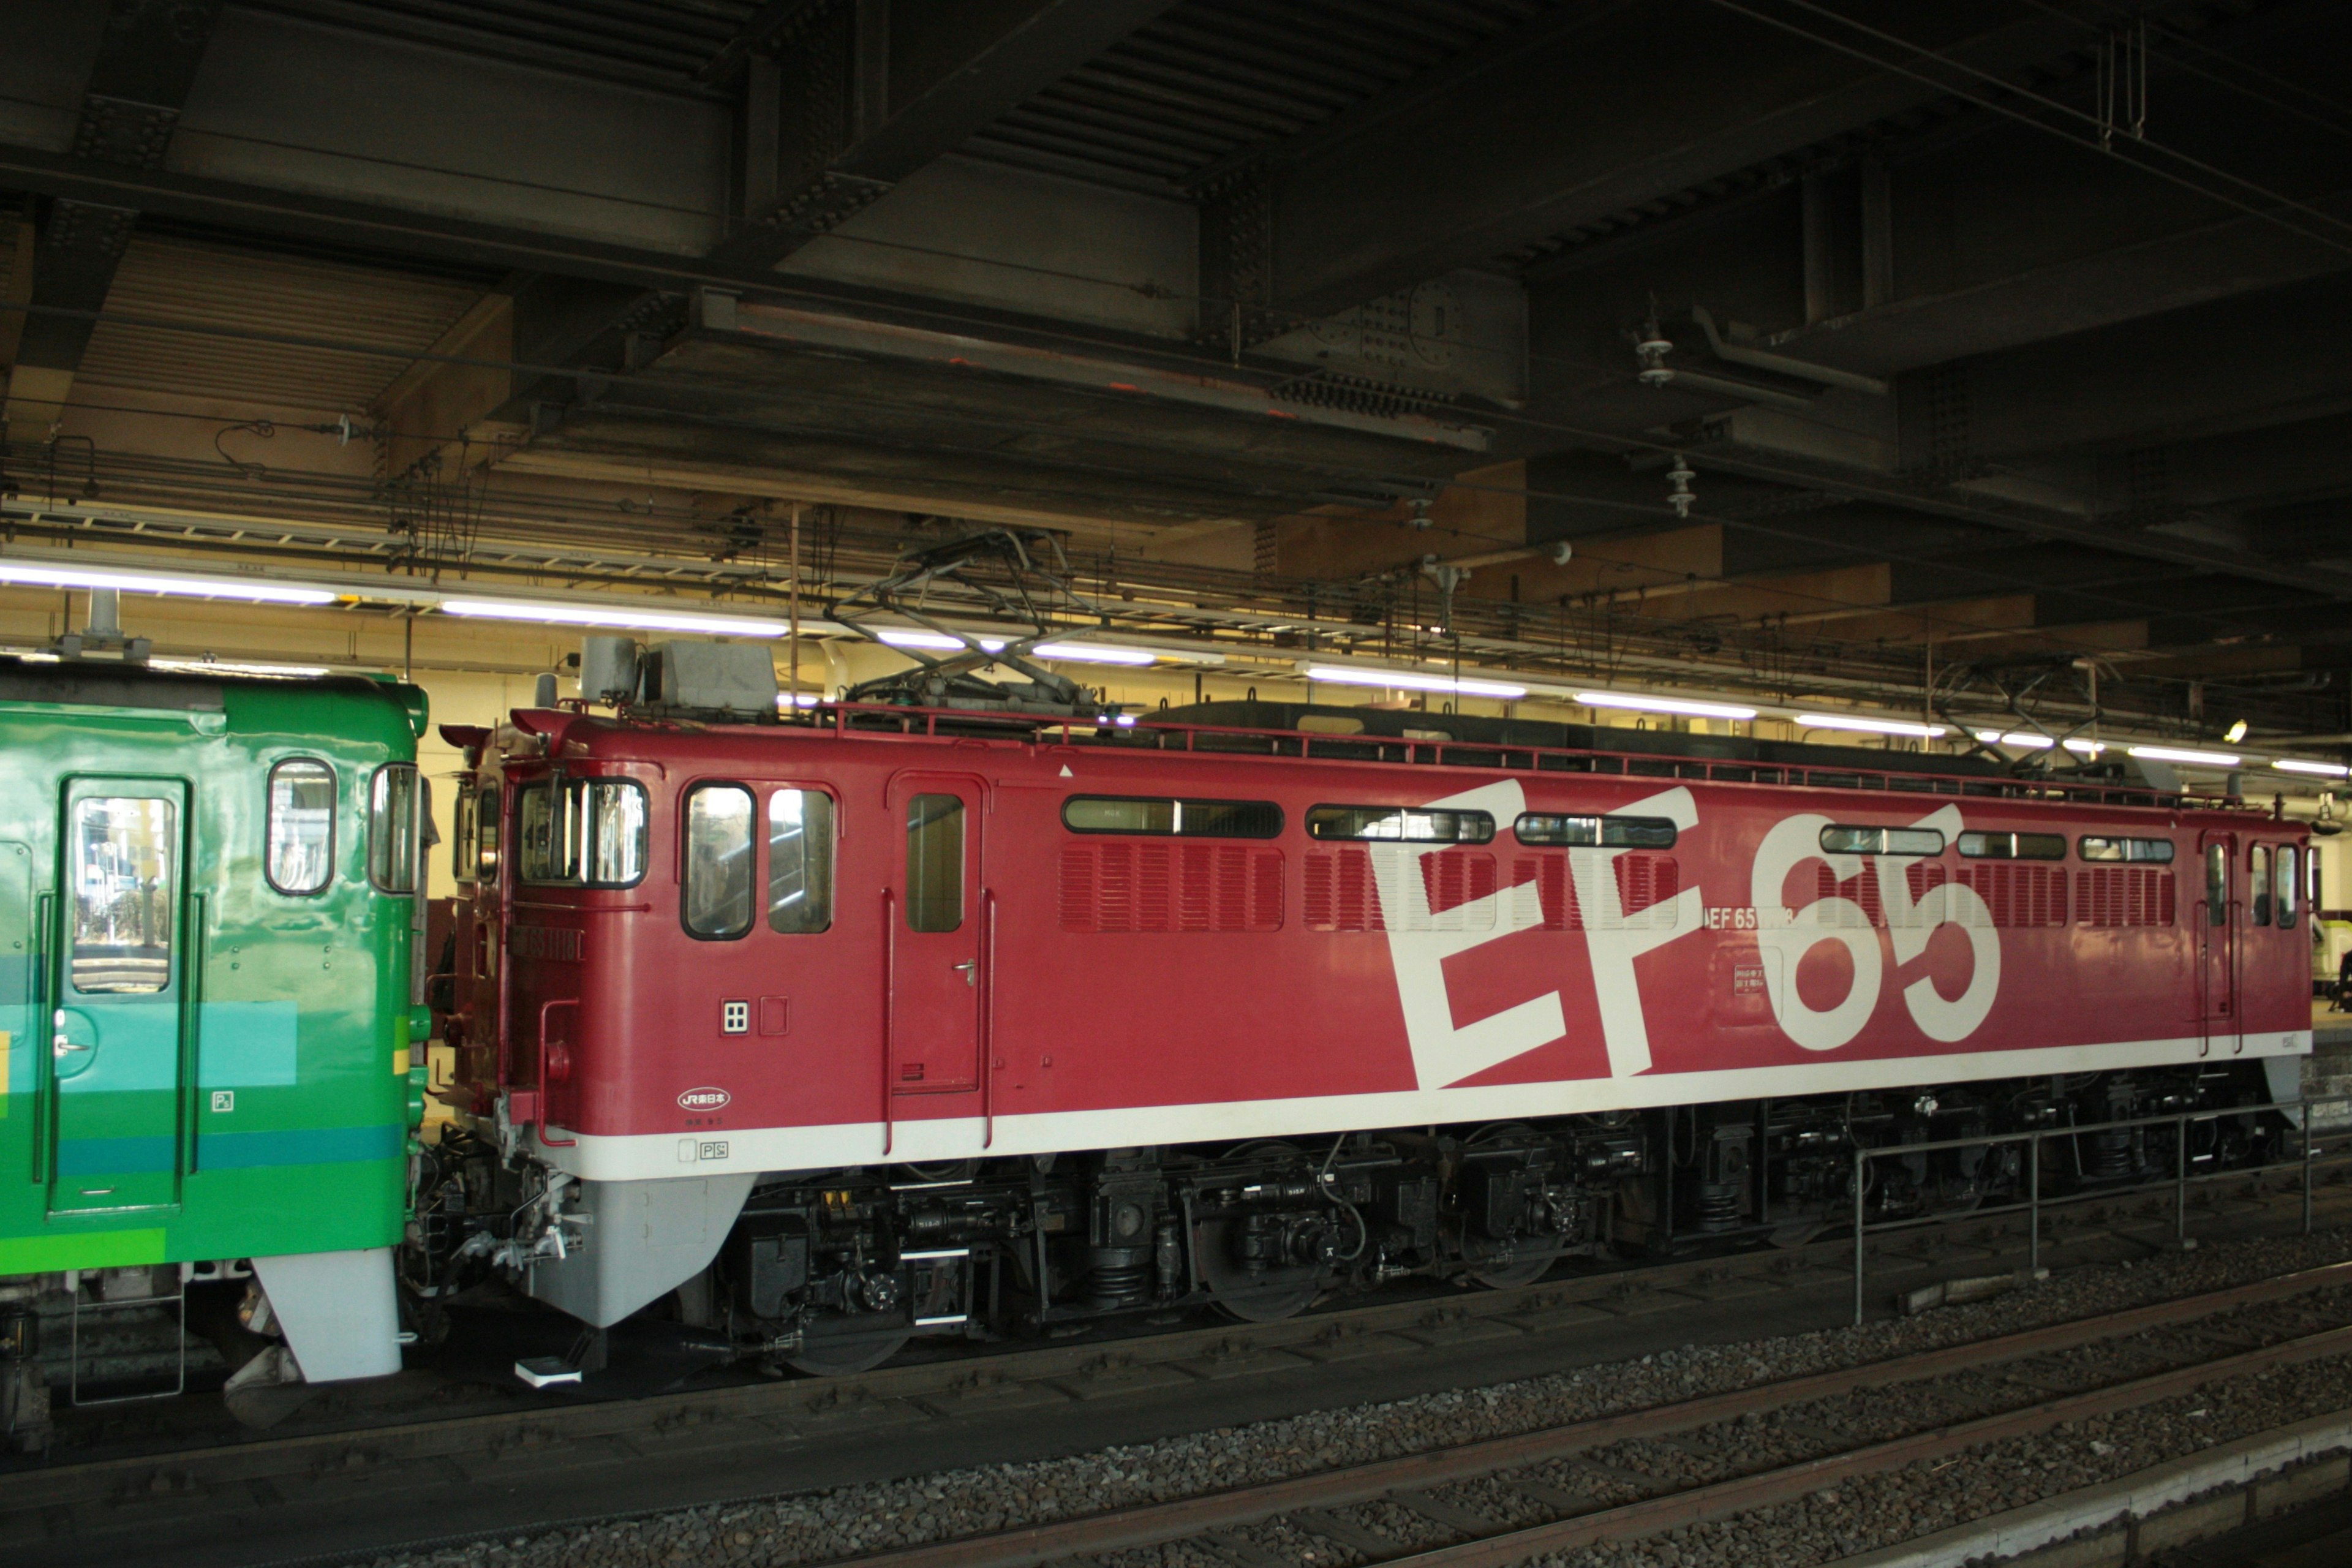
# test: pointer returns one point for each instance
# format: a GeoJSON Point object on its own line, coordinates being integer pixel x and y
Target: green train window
{"type": "Point", "coordinates": [301, 826]}
{"type": "Point", "coordinates": [393, 828]}
{"type": "Point", "coordinates": [799, 861]}
{"type": "Point", "coordinates": [585, 833]}
{"type": "Point", "coordinates": [2288, 888]}
{"type": "Point", "coordinates": [2258, 891]}
{"type": "Point", "coordinates": [716, 900]}
{"type": "Point", "coordinates": [125, 889]}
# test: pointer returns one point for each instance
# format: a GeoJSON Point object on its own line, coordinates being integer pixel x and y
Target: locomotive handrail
{"type": "Point", "coordinates": [45, 1072]}
{"type": "Point", "coordinates": [192, 1013]}
{"type": "Point", "coordinates": [987, 1063]}
{"type": "Point", "coordinates": [2297, 1110]}
{"type": "Point", "coordinates": [1296, 745]}
{"type": "Point", "coordinates": [538, 1124]}
{"type": "Point", "coordinates": [890, 1005]}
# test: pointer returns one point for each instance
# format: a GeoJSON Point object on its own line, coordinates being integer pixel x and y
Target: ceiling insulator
{"type": "Point", "coordinates": [1680, 475]}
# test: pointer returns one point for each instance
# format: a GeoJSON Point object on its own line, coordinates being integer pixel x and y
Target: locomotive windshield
{"type": "Point", "coordinates": [581, 833]}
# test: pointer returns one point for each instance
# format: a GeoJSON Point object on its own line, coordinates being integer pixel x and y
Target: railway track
{"type": "Point", "coordinates": [1488, 1504]}
{"type": "Point", "coordinates": [271, 1482]}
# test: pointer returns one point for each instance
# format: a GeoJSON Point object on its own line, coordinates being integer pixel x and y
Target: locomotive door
{"type": "Point", "coordinates": [2217, 938]}
{"type": "Point", "coordinates": [936, 983]}
{"type": "Point", "coordinates": [117, 983]}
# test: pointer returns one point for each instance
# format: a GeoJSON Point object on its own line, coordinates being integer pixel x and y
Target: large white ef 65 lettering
{"type": "Point", "coordinates": [1784, 937]}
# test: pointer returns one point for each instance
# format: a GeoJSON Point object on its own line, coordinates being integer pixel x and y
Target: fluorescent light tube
{"type": "Point", "coordinates": [2195, 759]}
{"type": "Point", "coordinates": [900, 637]}
{"type": "Point", "coordinates": [1091, 653]}
{"type": "Point", "coordinates": [259, 593]}
{"type": "Point", "coordinates": [1413, 681]}
{"type": "Point", "coordinates": [1870, 726]}
{"type": "Point", "coordinates": [2324, 770]}
{"type": "Point", "coordinates": [222, 667]}
{"type": "Point", "coordinates": [1664, 705]}
{"type": "Point", "coordinates": [619, 619]}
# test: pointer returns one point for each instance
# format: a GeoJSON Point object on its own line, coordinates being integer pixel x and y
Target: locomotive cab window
{"type": "Point", "coordinates": [1844, 840]}
{"type": "Point", "coordinates": [1603, 832]}
{"type": "Point", "coordinates": [934, 862]}
{"type": "Point", "coordinates": [2217, 884]}
{"type": "Point", "coordinates": [465, 833]}
{"type": "Point", "coordinates": [2258, 884]}
{"type": "Point", "coordinates": [302, 827]}
{"type": "Point", "coordinates": [2155, 851]}
{"type": "Point", "coordinates": [489, 826]}
{"type": "Point", "coordinates": [393, 828]}
{"type": "Point", "coordinates": [2288, 888]}
{"type": "Point", "coordinates": [2012, 845]}
{"type": "Point", "coordinates": [1182, 818]}
{"type": "Point", "coordinates": [799, 861]}
{"type": "Point", "coordinates": [716, 900]}
{"type": "Point", "coordinates": [581, 833]}
{"type": "Point", "coordinates": [1405, 825]}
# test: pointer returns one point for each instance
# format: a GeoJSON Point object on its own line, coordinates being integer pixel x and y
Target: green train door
{"type": "Point", "coordinates": [116, 1046]}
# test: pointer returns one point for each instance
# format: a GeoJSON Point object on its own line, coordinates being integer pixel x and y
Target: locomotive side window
{"type": "Point", "coordinates": [2258, 892]}
{"type": "Point", "coordinates": [2012, 845]}
{"type": "Point", "coordinates": [799, 861]}
{"type": "Point", "coordinates": [2217, 884]}
{"type": "Point", "coordinates": [587, 833]}
{"type": "Point", "coordinates": [1184, 818]}
{"type": "Point", "coordinates": [934, 862]}
{"type": "Point", "coordinates": [2287, 886]}
{"type": "Point", "coordinates": [393, 828]}
{"type": "Point", "coordinates": [125, 891]}
{"type": "Point", "coordinates": [488, 826]}
{"type": "Point", "coordinates": [1605, 832]}
{"type": "Point", "coordinates": [1400, 824]}
{"type": "Point", "coordinates": [2156, 850]}
{"type": "Point", "coordinates": [717, 900]}
{"type": "Point", "coordinates": [465, 836]}
{"type": "Point", "coordinates": [1881, 841]}
{"type": "Point", "coordinates": [301, 831]}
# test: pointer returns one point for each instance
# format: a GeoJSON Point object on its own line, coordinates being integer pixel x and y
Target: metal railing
{"type": "Point", "coordinates": [2297, 1111]}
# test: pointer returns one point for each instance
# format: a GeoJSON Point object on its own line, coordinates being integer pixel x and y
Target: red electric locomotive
{"type": "Point", "coordinates": [900, 1022]}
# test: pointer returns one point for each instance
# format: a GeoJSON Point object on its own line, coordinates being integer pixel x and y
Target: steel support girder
{"type": "Point", "coordinates": [148, 52]}
{"type": "Point", "coordinates": [871, 92]}
{"type": "Point", "coordinates": [1545, 139]}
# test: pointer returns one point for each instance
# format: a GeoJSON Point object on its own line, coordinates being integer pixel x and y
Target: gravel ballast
{"type": "Point", "coordinates": [843, 1521]}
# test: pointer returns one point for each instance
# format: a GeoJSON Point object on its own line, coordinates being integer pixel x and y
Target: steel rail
{"type": "Point", "coordinates": [1158, 1523]}
{"type": "Point", "coordinates": [1789, 1482]}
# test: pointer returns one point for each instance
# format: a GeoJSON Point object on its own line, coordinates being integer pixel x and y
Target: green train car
{"type": "Point", "coordinates": [208, 920]}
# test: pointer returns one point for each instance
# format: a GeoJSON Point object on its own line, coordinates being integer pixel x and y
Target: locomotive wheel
{"type": "Point", "coordinates": [846, 1352]}
{"type": "Point", "coordinates": [1499, 1268]}
{"type": "Point", "coordinates": [1502, 1264]}
{"type": "Point", "coordinates": [1265, 1298]}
